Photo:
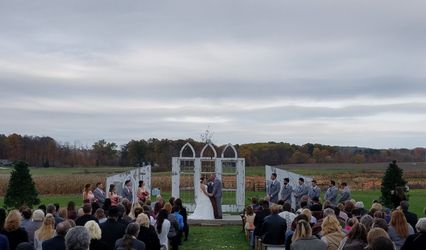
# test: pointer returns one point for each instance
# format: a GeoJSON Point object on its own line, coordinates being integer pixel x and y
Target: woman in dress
{"type": "Point", "coordinates": [204, 208]}
{"type": "Point", "coordinates": [142, 193]}
{"type": "Point", "coordinates": [88, 195]}
{"type": "Point", "coordinates": [113, 196]}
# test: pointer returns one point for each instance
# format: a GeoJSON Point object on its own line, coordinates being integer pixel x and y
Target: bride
{"type": "Point", "coordinates": [204, 208]}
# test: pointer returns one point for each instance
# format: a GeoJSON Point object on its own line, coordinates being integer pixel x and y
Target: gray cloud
{"type": "Point", "coordinates": [330, 72]}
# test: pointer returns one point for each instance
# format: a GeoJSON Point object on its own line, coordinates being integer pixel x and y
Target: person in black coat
{"type": "Point", "coordinates": [111, 229]}
{"type": "Point", "coordinates": [418, 240]}
{"type": "Point", "coordinates": [274, 228]}
{"type": "Point", "coordinates": [184, 213]}
{"type": "Point", "coordinates": [13, 230]}
{"type": "Point", "coordinates": [129, 240]}
{"type": "Point", "coordinates": [57, 242]}
{"type": "Point", "coordinates": [87, 216]}
{"type": "Point", "coordinates": [147, 233]}
{"type": "Point", "coordinates": [260, 216]}
{"type": "Point", "coordinates": [411, 217]}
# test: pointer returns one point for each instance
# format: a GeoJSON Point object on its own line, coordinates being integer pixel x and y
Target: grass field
{"type": "Point", "coordinates": [209, 238]}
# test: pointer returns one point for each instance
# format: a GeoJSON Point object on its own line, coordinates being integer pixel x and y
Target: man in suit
{"type": "Point", "coordinates": [274, 227]}
{"type": "Point", "coordinates": [127, 191]}
{"type": "Point", "coordinates": [331, 193]}
{"type": "Point", "coordinates": [57, 242]}
{"type": "Point", "coordinates": [87, 210]}
{"type": "Point", "coordinates": [314, 191]}
{"type": "Point", "coordinates": [300, 191]}
{"type": "Point", "coordinates": [217, 195]}
{"type": "Point", "coordinates": [274, 189]}
{"type": "Point", "coordinates": [286, 191]}
{"type": "Point", "coordinates": [212, 198]}
{"type": "Point", "coordinates": [112, 230]}
{"type": "Point", "coordinates": [346, 193]}
{"type": "Point", "coordinates": [99, 194]}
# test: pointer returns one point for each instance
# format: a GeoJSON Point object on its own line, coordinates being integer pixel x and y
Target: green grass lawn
{"type": "Point", "coordinates": [209, 238]}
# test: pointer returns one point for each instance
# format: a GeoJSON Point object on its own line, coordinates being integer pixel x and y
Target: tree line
{"type": "Point", "coordinates": [44, 151]}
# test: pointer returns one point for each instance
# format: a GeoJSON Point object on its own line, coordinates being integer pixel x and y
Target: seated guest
{"type": "Point", "coordinates": [179, 218]}
{"type": "Point", "coordinates": [87, 216]}
{"type": "Point", "coordinates": [367, 221]}
{"type": "Point", "coordinates": [379, 222]}
{"type": "Point", "coordinates": [129, 240]}
{"type": "Point", "coordinates": [57, 242]}
{"type": "Point", "coordinates": [95, 234]}
{"type": "Point", "coordinates": [274, 228]}
{"type": "Point", "coordinates": [418, 240]}
{"type": "Point", "coordinates": [4, 242]}
{"type": "Point", "coordinates": [312, 220]}
{"type": "Point", "coordinates": [77, 238]}
{"type": "Point", "coordinates": [289, 233]}
{"type": "Point", "coordinates": [332, 233]}
{"type": "Point", "coordinates": [34, 224]}
{"type": "Point", "coordinates": [100, 215]}
{"type": "Point", "coordinates": [162, 226]}
{"type": "Point", "coordinates": [254, 204]}
{"type": "Point", "coordinates": [260, 216]}
{"type": "Point", "coordinates": [111, 229]}
{"type": "Point", "coordinates": [316, 204]}
{"type": "Point", "coordinates": [356, 238]}
{"type": "Point", "coordinates": [287, 215]}
{"type": "Point", "coordinates": [12, 229]}
{"type": "Point", "coordinates": [183, 212]}
{"type": "Point", "coordinates": [316, 229]}
{"type": "Point", "coordinates": [72, 213]}
{"type": "Point", "coordinates": [399, 229]}
{"type": "Point", "coordinates": [45, 232]}
{"type": "Point", "coordinates": [409, 216]}
{"type": "Point", "coordinates": [374, 234]}
{"type": "Point", "coordinates": [147, 233]}
{"type": "Point", "coordinates": [24, 246]}
{"type": "Point", "coordinates": [26, 215]}
{"type": "Point", "coordinates": [302, 238]}
{"type": "Point", "coordinates": [382, 243]}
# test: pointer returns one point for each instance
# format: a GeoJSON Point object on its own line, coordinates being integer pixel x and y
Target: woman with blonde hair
{"type": "Point", "coordinates": [147, 233]}
{"type": "Point", "coordinates": [375, 233]}
{"type": "Point", "coordinates": [302, 238]}
{"type": "Point", "coordinates": [332, 233]}
{"type": "Point", "coordinates": [399, 229]}
{"type": "Point", "coordinates": [95, 236]}
{"type": "Point", "coordinates": [12, 229]}
{"type": "Point", "coordinates": [45, 232]}
{"type": "Point", "coordinates": [88, 195]}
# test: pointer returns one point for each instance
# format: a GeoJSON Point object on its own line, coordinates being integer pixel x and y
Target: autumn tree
{"type": "Point", "coordinates": [21, 190]}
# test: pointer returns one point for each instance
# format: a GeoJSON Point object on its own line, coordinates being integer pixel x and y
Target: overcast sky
{"type": "Point", "coordinates": [330, 72]}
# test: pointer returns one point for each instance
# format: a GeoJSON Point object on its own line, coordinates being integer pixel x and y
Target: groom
{"type": "Point", "coordinates": [215, 193]}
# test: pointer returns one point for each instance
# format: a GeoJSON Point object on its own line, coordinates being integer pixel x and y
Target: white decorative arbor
{"type": "Point", "coordinates": [135, 175]}
{"type": "Point", "coordinates": [187, 171]}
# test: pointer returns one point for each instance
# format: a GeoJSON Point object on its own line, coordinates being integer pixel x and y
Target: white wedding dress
{"type": "Point", "coordinates": [204, 208]}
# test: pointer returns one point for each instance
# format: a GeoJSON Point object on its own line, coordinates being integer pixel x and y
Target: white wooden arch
{"type": "Point", "coordinates": [187, 145]}
{"type": "Point", "coordinates": [188, 167]}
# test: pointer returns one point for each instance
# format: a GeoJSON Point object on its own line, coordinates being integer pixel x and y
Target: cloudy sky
{"type": "Point", "coordinates": [331, 72]}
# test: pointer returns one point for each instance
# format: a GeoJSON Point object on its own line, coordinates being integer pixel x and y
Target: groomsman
{"type": "Point", "coordinates": [314, 191]}
{"type": "Point", "coordinates": [300, 191]}
{"type": "Point", "coordinates": [274, 189]}
{"type": "Point", "coordinates": [286, 191]}
{"type": "Point", "coordinates": [331, 194]}
{"type": "Point", "coordinates": [346, 192]}
{"type": "Point", "coordinates": [99, 194]}
{"type": "Point", "coordinates": [127, 191]}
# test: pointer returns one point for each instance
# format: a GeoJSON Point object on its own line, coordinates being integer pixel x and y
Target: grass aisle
{"type": "Point", "coordinates": [215, 237]}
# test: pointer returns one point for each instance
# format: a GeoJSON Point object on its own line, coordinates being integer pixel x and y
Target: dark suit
{"type": "Point", "coordinates": [136, 244]}
{"type": "Point", "coordinates": [273, 191]}
{"type": "Point", "coordinates": [99, 196]}
{"type": "Point", "coordinates": [80, 221]}
{"type": "Point", "coordinates": [217, 194]}
{"type": "Point", "coordinates": [97, 245]}
{"type": "Point", "coordinates": [149, 237]}
{"type": "Point", "coordinates": [411, 218]}
{"type": "Point", "coordinates": [56, 243]}
{"type": "Point", "coordinates": [111, 232]}
{"type": "Point", "coordinates": [273, 230]}
{"type": "Point", "coordinates": [127, 193]}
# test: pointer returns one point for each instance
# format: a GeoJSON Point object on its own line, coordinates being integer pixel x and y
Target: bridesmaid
{"type": "Point", "coordinates": [142, 193]}
{"type": "Point", "coordinates": [113, 195]}
{"type": "Point", "coordinates": [88, 195]}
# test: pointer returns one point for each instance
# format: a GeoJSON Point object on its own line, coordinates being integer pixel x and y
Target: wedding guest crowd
{"type": "Point", "coordinates": [340, 223]}
{"type": "Point", "coordinates": [101, 222]}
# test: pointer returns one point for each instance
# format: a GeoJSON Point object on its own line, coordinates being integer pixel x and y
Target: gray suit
{"type": "Point", "coordinates": [286, 193]}
{"type": "Point", "coordinates": [300, 191]}
{"type": "Point", "coordinates": [274, 190]}
{"type": "Point", "coordinates": [331, 194]}
{"type": "Point", "coordinates": [127, 193]}
{"type": "Point", "coordinates": [99, 196]}
{"type": "Point", "coordinates": [314, 192]}
{"type": "Point", "coordinates": [346, 195]}
{"type": "Point", "coordinates": [217, 194]}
